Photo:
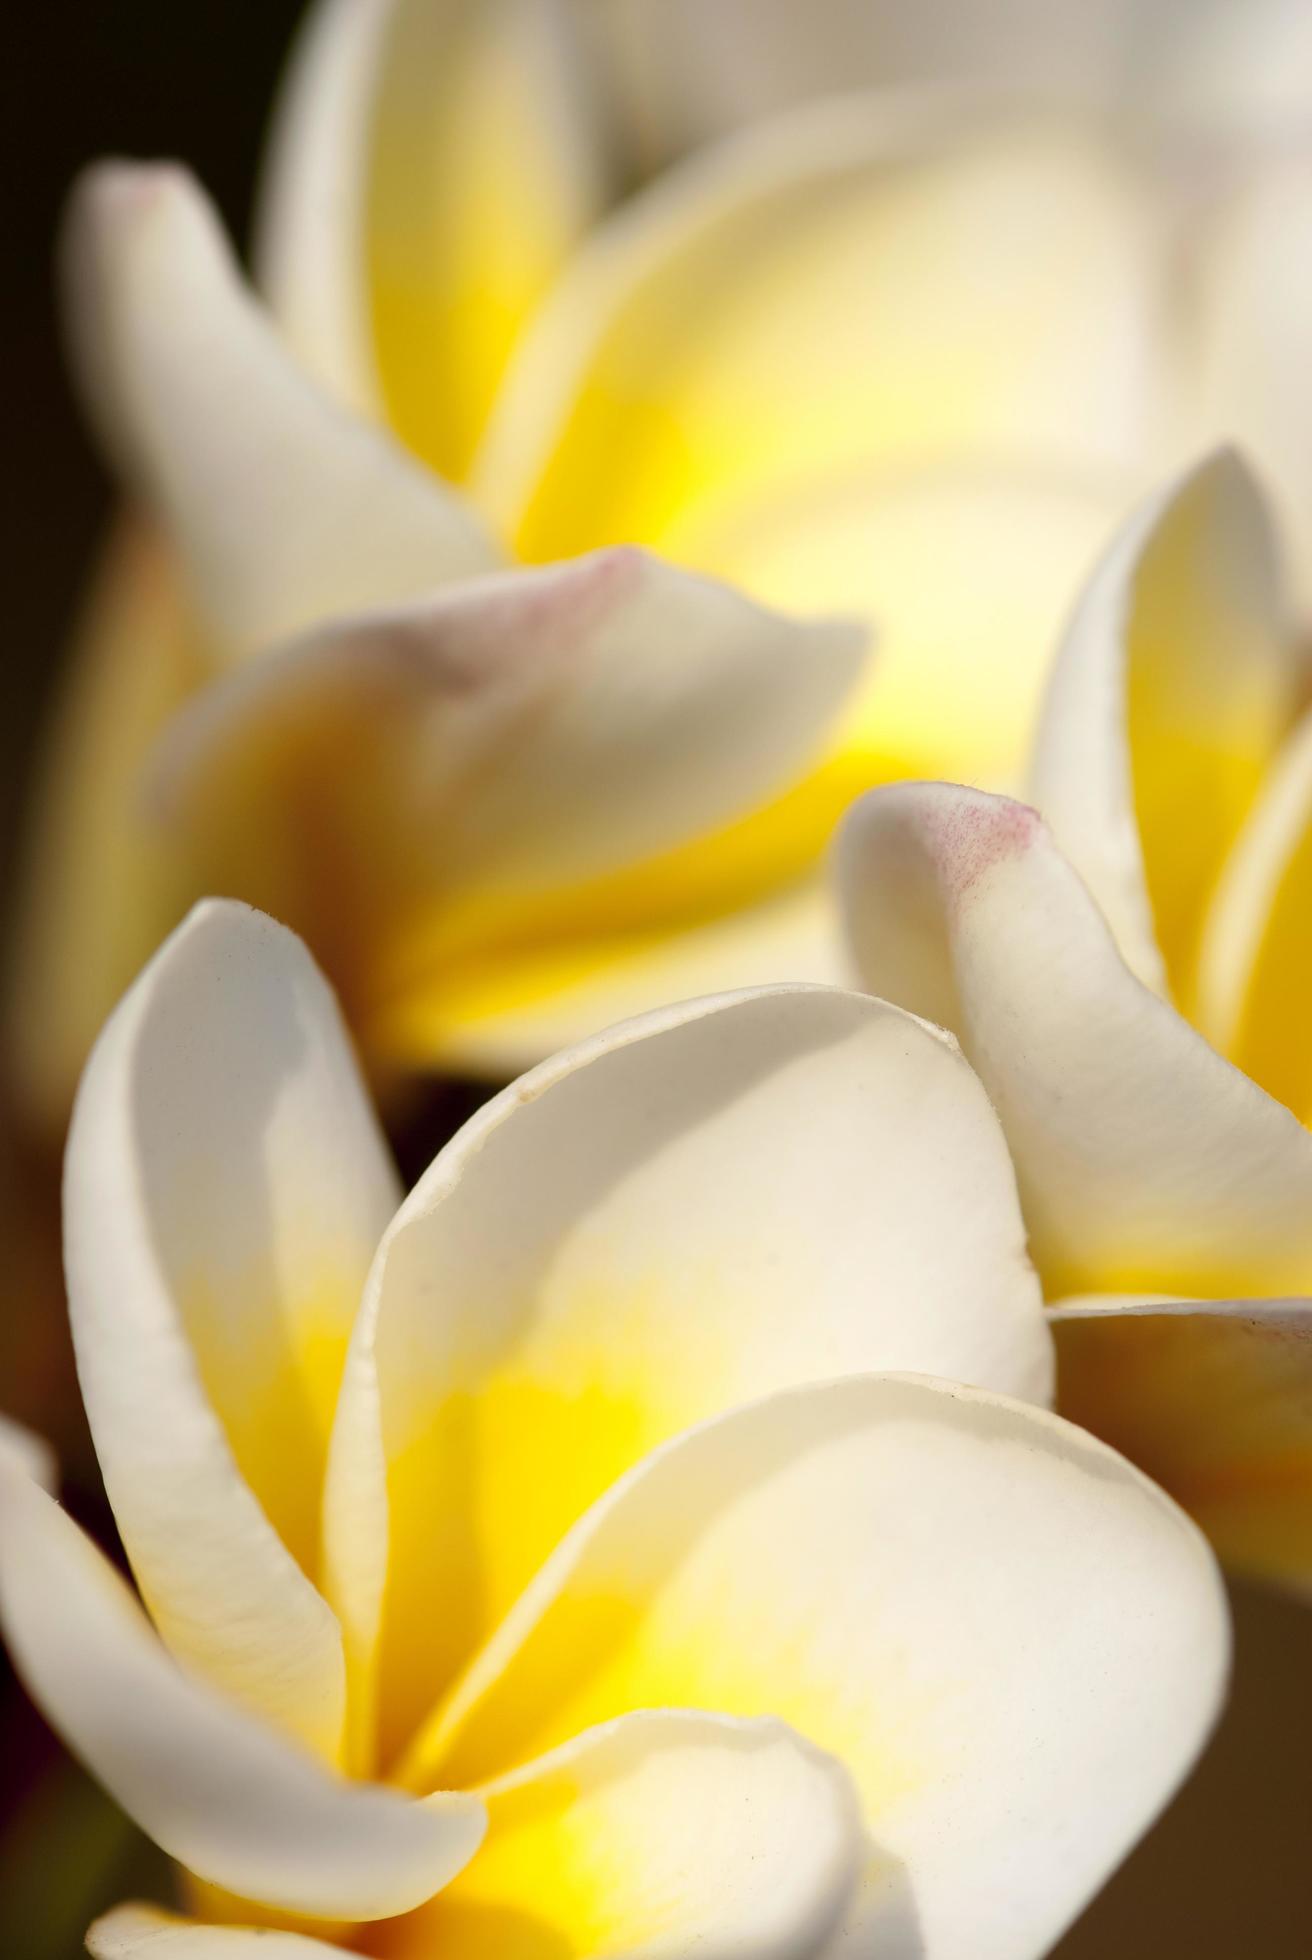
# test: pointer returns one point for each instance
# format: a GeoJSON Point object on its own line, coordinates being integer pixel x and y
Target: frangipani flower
{"type": "Point", "coordinates": [645, 1618]}
{"type": "Point", "coordinates": [904, 362]}
{"type": "Point", "coordinates": [1165, 1169]}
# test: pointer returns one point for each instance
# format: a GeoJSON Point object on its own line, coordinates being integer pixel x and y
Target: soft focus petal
{"type": "Point", "coordinates": [869, 289]}
{"type": "Point", "coordinates": [310, 244]}
{"type": "Point", "coordinates": [658, 1836]}
{"type": "Point", "coordinates": [146, 1933]}
{"type": "Point", "coordinates": [1256, 959]}
{"type": "Point", "coordinates": [1013, 1641]}
{"type": "Point", "coordinates": [1253, 295]}
{"type": "Point", "coordinates": [960, 661]}
{"type": "Point", "coordinates": [1145, 1161]}
{"type": "Point", "coordinates": [99, 888]}
{"type": "Point", "coordinates": [1213, 1398]}
{"type": "Point", "coordinates": [543, 760]}
{"type": "Point", "coordinates": [218, 1790]}
{"type": "Point", "coordinates": [225, 1188]}
{"type": "Point", "coordinates": [1235, 70]}
{"type": "Point", "coordinates": [504, 1015]}
{"type": "Point", "coordinates": [285, 509]}
{"type": "Point", "coordinates": [693, 67]}
{"type": "Point", "coordinates": [500, 1392]}
{"type": "Point", "coordinates": [486, 164]}
{"type": "Point", "coordinates": [1169, 697]}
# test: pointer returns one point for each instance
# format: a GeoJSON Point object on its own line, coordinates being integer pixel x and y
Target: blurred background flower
{"type": "Point", "coordinates": [1197, 177]}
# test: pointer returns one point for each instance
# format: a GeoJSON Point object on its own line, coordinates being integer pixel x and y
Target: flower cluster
{"type": "Point", "coordinates": [759, 1494]}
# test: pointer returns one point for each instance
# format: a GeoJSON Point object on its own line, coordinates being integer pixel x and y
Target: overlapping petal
{"type": "Point", "coordinates": [489, 1397]}
{"type": "Point", "coordinates": [1145, 1161]}
{"type": "Point", "coordinates": [439, 795]}
{"type": "Point", "coordinates": [988, 1616]}
{"type": "Point", "coordinates": [225, 1188]}
{"type": "Point", "coordinates": [1168, 701]}
{"type": "Point", "coordinates": [659, 1835]}
{"type": "Point", "coordinates": [871, 286]}
{"type": "Point", "coordinates": [217, 1788]}
{"type": "Point", "coordinates": [284, 507]}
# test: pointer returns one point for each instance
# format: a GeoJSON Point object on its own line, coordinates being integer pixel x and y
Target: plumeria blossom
{"type": "Point", "coordinates": [552, 1566]}
{"type": "Point", "coordinates": [1129, 978]}
{"type": "Point", "coordinates": [822, 359]}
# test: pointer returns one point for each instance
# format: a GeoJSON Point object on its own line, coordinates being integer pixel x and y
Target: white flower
{"type": "Point", "coordinates": [646, 1618]}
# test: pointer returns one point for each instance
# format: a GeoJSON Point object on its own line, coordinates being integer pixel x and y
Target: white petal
{"type": "Point", "coordinates": [21, 1450]}
{"type": "Point", "coordinates": [225, 1189]}
{"type": "Point", "coordinates": [659, 1836]}
{"type": "Point", "coordinates": [1168, 699]}
{"type": "Point", "coordinates": [1144, 1160]}
{"type": "Point", "coordinates": [310, 251]}
{"type": "Point", "coordinates": [218, 1790]}
{"type": "Point", "coordinates": [146, 1933]}
{"type": "Point", "coordinates": [851, 288]}
{"type": "Point", "coordinates": [708, 1203]}
{"type": "Point", "coordinates": [284, 508]}
{"type": "Point", "coordinates": [1014, 1642]}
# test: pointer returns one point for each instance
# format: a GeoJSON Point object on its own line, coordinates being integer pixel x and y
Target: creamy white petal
{"type": "Point", "coordinates": [703, 1205]}
{"type": "Point", "coordinates": [310, 249]}
{"type": "Point", "coordinates": [1145, 1161]}
{"type": "Point", "coordinates": [1169, 697]}
{"type": "Point", "coordinates": [1014, 1641]}
{"type": "Point", "coordinates": [284, 507]}
{"type": "Point", "coordinates": [146, 1933]}
{"type": "Point", "coordinates": [523, 735]}
{"type": "Point", "coordinates": [220, 1791]}
{"type": "Point", "coordinates": [872, 287]}
{"type": "Point", "coordinates": [225, 1188]}
{"type": "Point", "coordinates": [658, 1836]}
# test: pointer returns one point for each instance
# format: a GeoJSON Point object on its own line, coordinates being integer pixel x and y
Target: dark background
{"type": "Point", "coordinates": [1230, 1872]}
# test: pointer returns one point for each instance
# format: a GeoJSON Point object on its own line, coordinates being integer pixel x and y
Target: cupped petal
{"type": "Point", "coordinates": [1169, 697]}
{"type": "Point", "coordinates": [1014, 1641]}
{"type": "Point", "coordinates": [1145, 1161]}
{"type": "Point", "coordinates": [1213, 1399]}
{"type": "Point", "coordinates": [1255, 960]}
{"type": "Point", "coordinates": [310, 251]}
{"type": "Point", "coordinates": [225, 1188]}
{"type": "Point", "coordinates": [220, 1791]}
{"type": "Point", "coordinates": [711, 1202]}
{"type": "Point", "coordinates": [871, 288]}
{"type": "Point", "coordinates": [658, 1836]}
{"type": "Point", "coordinates": [540, 760]}
{"type": "Point", "coordinates": [146, 1933]}
{"type": "Point", "coordinates": [285, 508]}
{"type": "Point", "coordinates": [488, 159]}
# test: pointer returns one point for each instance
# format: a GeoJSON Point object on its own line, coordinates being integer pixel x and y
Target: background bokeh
{"type": "Point", "coordinates": [1229, 1872]}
